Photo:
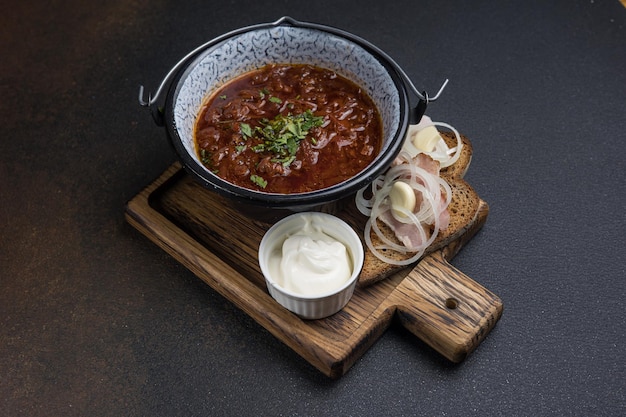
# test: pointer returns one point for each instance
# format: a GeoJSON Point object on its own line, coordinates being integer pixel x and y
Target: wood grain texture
{"type": "Point", "coordinates": [447, 309]}
{"type": "Point", "coordinates": [219, 245]}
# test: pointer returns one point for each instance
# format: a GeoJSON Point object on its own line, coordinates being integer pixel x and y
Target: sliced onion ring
{"type": "Point", "coordinates": [425, 217]}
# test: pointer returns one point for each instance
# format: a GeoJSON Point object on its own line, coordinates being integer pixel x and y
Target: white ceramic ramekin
{"type": "Point", "coordinates": [322, 305]}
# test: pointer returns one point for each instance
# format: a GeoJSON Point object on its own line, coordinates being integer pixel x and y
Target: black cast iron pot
{"type": "Point", "coordinates": [211, 65]}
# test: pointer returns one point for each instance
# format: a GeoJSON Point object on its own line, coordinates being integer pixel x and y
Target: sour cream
{"type": "Point", "coordinates": [310, 262]}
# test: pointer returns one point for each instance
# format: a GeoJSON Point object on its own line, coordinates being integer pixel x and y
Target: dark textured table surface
{"type": "Point", "coordinates": [96, 320]}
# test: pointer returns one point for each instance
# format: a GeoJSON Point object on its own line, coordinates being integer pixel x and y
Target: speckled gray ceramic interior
{"type": "Point", "coordinates": [283, 44]}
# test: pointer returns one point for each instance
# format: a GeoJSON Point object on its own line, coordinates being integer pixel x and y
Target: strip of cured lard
{"type": "Point", "coordinates": [411, 199]}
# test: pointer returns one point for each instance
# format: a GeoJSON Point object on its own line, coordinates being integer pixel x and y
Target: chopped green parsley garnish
{"type": "Point", "coordinates": [205, 157]}
{"type": "Point", "coordinates": [283, 134]}
{"type": "Point", "coordinates": [275, 100]}
{"type": "Point", "coordinates": [245, 130]}
{"type": "Point", "coordinates": [258, 181]}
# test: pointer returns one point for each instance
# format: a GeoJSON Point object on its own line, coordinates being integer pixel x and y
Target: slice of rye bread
{"type": "Point", "coordinates": [462, 209]}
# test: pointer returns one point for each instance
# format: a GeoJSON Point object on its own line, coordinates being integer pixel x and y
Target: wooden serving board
{"type": "Point", "coordinates": [435, 301]}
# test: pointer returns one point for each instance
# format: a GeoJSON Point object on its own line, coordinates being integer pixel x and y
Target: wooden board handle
{"type": "Point", "coordinates": [446, 308]}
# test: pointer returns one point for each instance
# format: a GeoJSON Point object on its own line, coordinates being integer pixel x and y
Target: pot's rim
{"type": "Point", "coordinates": [300, 200]}
{"type": "Point", "coordinates": [153, 99]}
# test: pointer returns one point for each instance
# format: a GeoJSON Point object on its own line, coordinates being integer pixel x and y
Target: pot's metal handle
{"type": "Point", "coordinates": [420, 109]}
{"type": "Point", "coordinates": [158, 112]}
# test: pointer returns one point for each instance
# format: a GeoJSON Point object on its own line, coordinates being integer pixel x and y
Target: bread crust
{"type": "Point", "coordinates": [462, 208]}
